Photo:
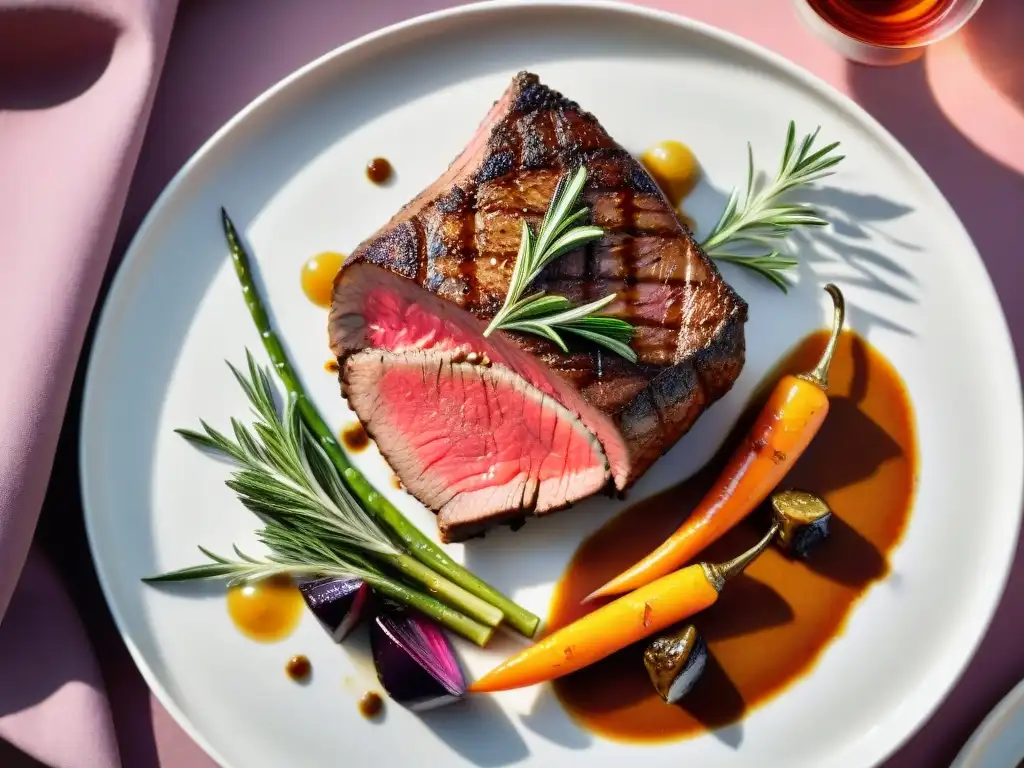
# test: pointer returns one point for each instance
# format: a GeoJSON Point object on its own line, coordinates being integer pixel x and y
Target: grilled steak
{"type": "Point", "coordinates": [452, 248]}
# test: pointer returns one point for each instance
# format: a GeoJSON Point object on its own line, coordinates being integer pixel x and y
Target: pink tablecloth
{"type": "Point", "coordinates": [66, 153]}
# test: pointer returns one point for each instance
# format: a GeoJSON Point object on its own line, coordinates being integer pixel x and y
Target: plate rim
{"type": "Point", "coordinates": [805, 77]}
{"type": "Point", "coordinates": [991, 728]}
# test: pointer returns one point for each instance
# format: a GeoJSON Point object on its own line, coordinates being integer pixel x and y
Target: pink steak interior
{"type": "Point", "coordinates": [475, 442]}
{"type": "Point", "coordinates": [378, 309]}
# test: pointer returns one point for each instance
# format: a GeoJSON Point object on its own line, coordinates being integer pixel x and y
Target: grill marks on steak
{"type": "Point", "coordinates": [478, 444]}
{"type": "Point", "coordinates": [454, 246]}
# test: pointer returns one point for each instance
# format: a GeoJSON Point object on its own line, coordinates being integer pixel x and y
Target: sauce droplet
{"type": "Point", "coordinates": [371, 705]}
{"type": "Point", "coordinates": [378, 170]}
{"type": "Point", "coordinates": [298, 668]}
{"type": "Point", "coordinates": [318, 275]}
{"type": "Point", "coordinates": [331, 366]}
{"type": "Point", "coordinates": [354, 437]}
{"type": "Point", "coordinates": [396, 483]}
{"type": "Point", "coordinates": [674, 167]}
{"type": "Point", "coordinates": [267, 610]}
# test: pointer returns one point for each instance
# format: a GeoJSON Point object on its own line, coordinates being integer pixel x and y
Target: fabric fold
{"type": "Point", "coordinates": [77, 80]}
{"type": "Point", "coordinates": [52, 705]}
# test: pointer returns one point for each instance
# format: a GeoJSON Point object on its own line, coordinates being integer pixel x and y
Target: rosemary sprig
{"type": "Point", "coordinates": [549, 316]}
{"type": "Point", "coordinates": [760, 219]}
{"type": "Point", "coordinates": [287, 479]}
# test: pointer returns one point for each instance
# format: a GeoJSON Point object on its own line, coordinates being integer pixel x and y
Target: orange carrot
{"type": "Point", "coordinates": [622, 622]}
{"type": "Point", "coordinates": [785, 427]}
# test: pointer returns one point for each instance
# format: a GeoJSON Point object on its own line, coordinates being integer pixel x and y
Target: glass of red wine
{"type": "Point", "coordinates": [884, 32]}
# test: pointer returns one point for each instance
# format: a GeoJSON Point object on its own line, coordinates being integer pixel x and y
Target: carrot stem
{"type": "Point", "coordinates": [738, 564]}
{"type": "Point", "coordinates": [819, 375]}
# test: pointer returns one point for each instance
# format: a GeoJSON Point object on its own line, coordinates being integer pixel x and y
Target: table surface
{"type": "Point", "coordinates": [959, 110]}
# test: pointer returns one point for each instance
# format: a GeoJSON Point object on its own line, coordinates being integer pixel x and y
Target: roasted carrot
{"type": "Point", "coordinates": [622, 622]}
{"type": "Point", "coordinates": [787, 423]}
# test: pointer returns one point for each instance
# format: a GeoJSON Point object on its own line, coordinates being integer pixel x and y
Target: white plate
{"type": "Point", "coordinates": [289, 168]}
{"type": "Point", "coordinates": [999, 740]}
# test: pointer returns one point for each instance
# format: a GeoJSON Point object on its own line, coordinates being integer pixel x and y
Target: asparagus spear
{"type": "Point", "coordinates": [417, 544]}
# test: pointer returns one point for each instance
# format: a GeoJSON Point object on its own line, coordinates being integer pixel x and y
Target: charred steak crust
{"type": "Point", "coordinates": [459, 237]}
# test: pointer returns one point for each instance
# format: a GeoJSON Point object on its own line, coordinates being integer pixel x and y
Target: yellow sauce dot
{"type": "Point", "coordinates": [267, 610]}
{"type": "Point", "coordinates": [318, 275]}
{"type": "Point", "coordinates": [674, 167]}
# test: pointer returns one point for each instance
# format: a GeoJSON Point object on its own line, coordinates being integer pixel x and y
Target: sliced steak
{"type": "Point", "coordinates": [477, 443]}
{"type": "Point", "coordinates": [376, 308]}
{"type": "Point", "coordinates": [453, 247]}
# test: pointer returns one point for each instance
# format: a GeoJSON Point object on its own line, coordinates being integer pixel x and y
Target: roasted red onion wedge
{"type": "Point", "coordinates": [803, 521]}
{"type": "Point", "coordinates": [339, 604]}
{"type": "Point", "coordinates": [415, 663]}
{"type": "Point", "coordinates": [675, 661]}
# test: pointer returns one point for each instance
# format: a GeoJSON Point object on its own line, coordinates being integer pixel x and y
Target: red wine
{"type": "Point", "coordinates": [891, 23]}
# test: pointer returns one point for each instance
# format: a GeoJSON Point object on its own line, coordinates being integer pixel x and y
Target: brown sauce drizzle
{"type": "Point", "coordinates": [354, 437]}
{"type": "Point", "coordinates": [370, 705]}
{"type": "Point", "coordinates": [771, 625]}
{"type": "Point", "coordinates": [298, 668]}
{"type": "Point", "coordinates": [378, 170]}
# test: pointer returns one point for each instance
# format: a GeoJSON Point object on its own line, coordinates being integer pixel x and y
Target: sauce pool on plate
{"type": "Point", "coordinates": [674, 167]}
{"type": "Point", "coordinates": [318, 275]}
{"type": "Point", "coordinates": [772, 623]}
{"type": "Point", "coordinates": [268, 610]}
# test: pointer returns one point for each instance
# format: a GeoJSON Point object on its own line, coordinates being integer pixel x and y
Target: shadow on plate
{"type": "Point", "coordinates": [857, 240]}
{"type": "Point", "coordinates": [763, 608]}
{"type": "Point", "coordinates": [717, 703]}
{"type": "Point", "coordinates": [480, 731]}
{"type": "Point", "coordinates": [977, 186]}
{"type": "Point", "coordinates": [549, 719]}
